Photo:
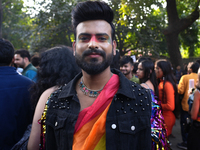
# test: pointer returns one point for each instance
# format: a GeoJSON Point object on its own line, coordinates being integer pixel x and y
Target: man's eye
{"type": "Point", "coordinates": [84, 38]}
{"type": "Point", "coordinates": [102, 39]}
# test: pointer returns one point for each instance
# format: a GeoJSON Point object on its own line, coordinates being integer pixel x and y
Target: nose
{"type": "Point", "coordinates": [93, 43]}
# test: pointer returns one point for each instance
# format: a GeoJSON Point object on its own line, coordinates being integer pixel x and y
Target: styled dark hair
{"type": "Point", "coordinates": [149, 74]}
{"type": "Point", "coordinates": [166, 68]}
{"type": "Point", "coordinates": [6, 52]}
{"type": "Point", "coordinates": [144, 58]}
{"type": "Point", "coordinates": [92, 10]}
{"type": "Point", "coordinates": [195, 67]}
{"type": "Point", "coordinates": [135, 64]}
{"type": "Point", "coordinates": [125, 59]}
{"type": "Point", "coordinates": [35, 60]}
{"type": "Point", "coordinates": [198, 61]}
{"type": "Point", "coordinates": [115, 62]}
{"type": "Point", "coordinates": [23, 53]}
{"type": "Point", "coordinates": [57, 67]}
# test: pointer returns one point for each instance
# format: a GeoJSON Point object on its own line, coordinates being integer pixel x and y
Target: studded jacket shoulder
{"type": "Point", "coordinates": [127, 122]}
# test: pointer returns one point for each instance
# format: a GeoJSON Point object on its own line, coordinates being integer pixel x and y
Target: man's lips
{"type": "Point", "coordinates": [93, 55]}
{"type": "Point", "coordinates": [123, 70]}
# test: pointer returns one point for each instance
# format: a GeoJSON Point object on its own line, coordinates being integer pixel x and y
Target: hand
{"type": "Point", "coordinates": [190, 91]}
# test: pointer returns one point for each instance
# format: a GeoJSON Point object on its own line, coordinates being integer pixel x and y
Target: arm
{"type": "Point", "coordinates": [170, 99]}
{"type": "Point", "coordinates": [181, 86]}
{"type": "Point", "coordinates": [34, 139]}
{"type": "Point", "coordinates": [196, 105]}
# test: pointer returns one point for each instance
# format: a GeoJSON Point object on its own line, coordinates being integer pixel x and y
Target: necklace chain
{"type": "Point", "coordinates": [87, 91]}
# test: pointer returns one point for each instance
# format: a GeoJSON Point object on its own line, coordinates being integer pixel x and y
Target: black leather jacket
{"type": "Point", "coordinates": [127, 124]}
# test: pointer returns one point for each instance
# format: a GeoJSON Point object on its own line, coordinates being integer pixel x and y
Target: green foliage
{"type": "Point", "coordinates": [148, 19]}
{"type": "Point", "coordinates": [185, 7]}
{"type": "Point", "coordinates": [189, 40]}
{"type": "Point", "coordinates": [53, 25]}
{"type": "Point", "coordinates": [139, 26]}
{"type": "Point", "coordinates": [15, 23]}
{"type": "Point", "coordinates": [189, 37]}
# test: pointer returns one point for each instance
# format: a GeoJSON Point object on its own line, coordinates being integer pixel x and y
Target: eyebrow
{"type": "Point", "coordinates": [98, 34]}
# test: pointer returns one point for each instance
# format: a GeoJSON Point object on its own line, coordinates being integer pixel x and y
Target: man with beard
{"type": "Point", "coordinates": [22, 60]}
{"type": "Point", "coordinates": [99, 108]}
{"type": "Point", "coordinates": [126, 67]}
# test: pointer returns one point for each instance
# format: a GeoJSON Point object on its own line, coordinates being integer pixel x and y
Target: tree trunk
{"type": "Point", "coordinates": [173, 49]}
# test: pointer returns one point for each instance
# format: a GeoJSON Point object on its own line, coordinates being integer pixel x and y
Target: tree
{"type": "Point", "coordinates": [139, 28]}
{"type": "Point", "coordinates": [53, 25]}
{"type": "Point", "coordinates": [14, 22]}
{"type": "Point", "coordinates": [140, 25]}
{"type": "Point", "coordinates": [139, 11]}
{"type": "Point", "coordinates": [189, 39]}
{"type": "Point", "coordinates": [175, 26]}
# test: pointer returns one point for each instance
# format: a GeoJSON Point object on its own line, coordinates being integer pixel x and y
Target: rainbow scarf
{"type": "Point", "coordinates": [90, 128]}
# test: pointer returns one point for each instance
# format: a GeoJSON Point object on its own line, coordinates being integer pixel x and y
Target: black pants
{"type": "Point", "coordinates": [184, 115]}
{"type": "Point", "coordinates": [194, 137]}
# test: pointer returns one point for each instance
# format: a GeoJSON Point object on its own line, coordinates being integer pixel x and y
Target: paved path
{"type": "Point", "coordinates": [176, 132]}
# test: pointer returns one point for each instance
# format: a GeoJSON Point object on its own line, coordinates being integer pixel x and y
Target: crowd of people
{"type": "Point", "coordinates": [90, 98]}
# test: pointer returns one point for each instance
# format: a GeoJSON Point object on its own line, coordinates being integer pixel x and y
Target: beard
{"type": "Point", "coordinates": [127, 72]}
{"type": "Point", "coordinates": [21, 65]}
{"type": "Point", "coordinates": [92, 66]}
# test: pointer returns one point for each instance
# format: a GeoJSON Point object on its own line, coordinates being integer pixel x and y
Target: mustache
{"type": "Point", "coordinates": [94, 50]}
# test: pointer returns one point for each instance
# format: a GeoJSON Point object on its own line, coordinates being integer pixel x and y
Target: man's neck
{"type": "Point", "coordinates": [96, 82]}
{"type": "Point", "coordinates": [129, 76]}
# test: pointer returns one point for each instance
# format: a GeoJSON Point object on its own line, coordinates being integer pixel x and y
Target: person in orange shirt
{"type": "Point", "coordinates": [167, 92]}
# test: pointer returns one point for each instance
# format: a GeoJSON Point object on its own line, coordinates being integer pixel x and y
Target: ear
{"type": "Point", "coordinates": [74, 47]}
{"type": "Point", "coordinates": [150, 71]}
{"type": "Point", "coordinates": [12, 62]}
{"type": "Point", "coordinates": [26, 59]}
{"type": "Point", "coordinates": [132, 67]}
{"type": "Point", "coordinates": [114, 47]}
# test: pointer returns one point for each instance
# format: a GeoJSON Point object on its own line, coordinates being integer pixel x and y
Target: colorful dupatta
{"type": "Point", "coordinates": [90, 127]}
{"type": "Point", "coordinates": [158, 127]}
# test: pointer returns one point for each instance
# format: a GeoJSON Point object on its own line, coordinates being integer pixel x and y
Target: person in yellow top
{"type": "Point", "coordinates": [183, 88]}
